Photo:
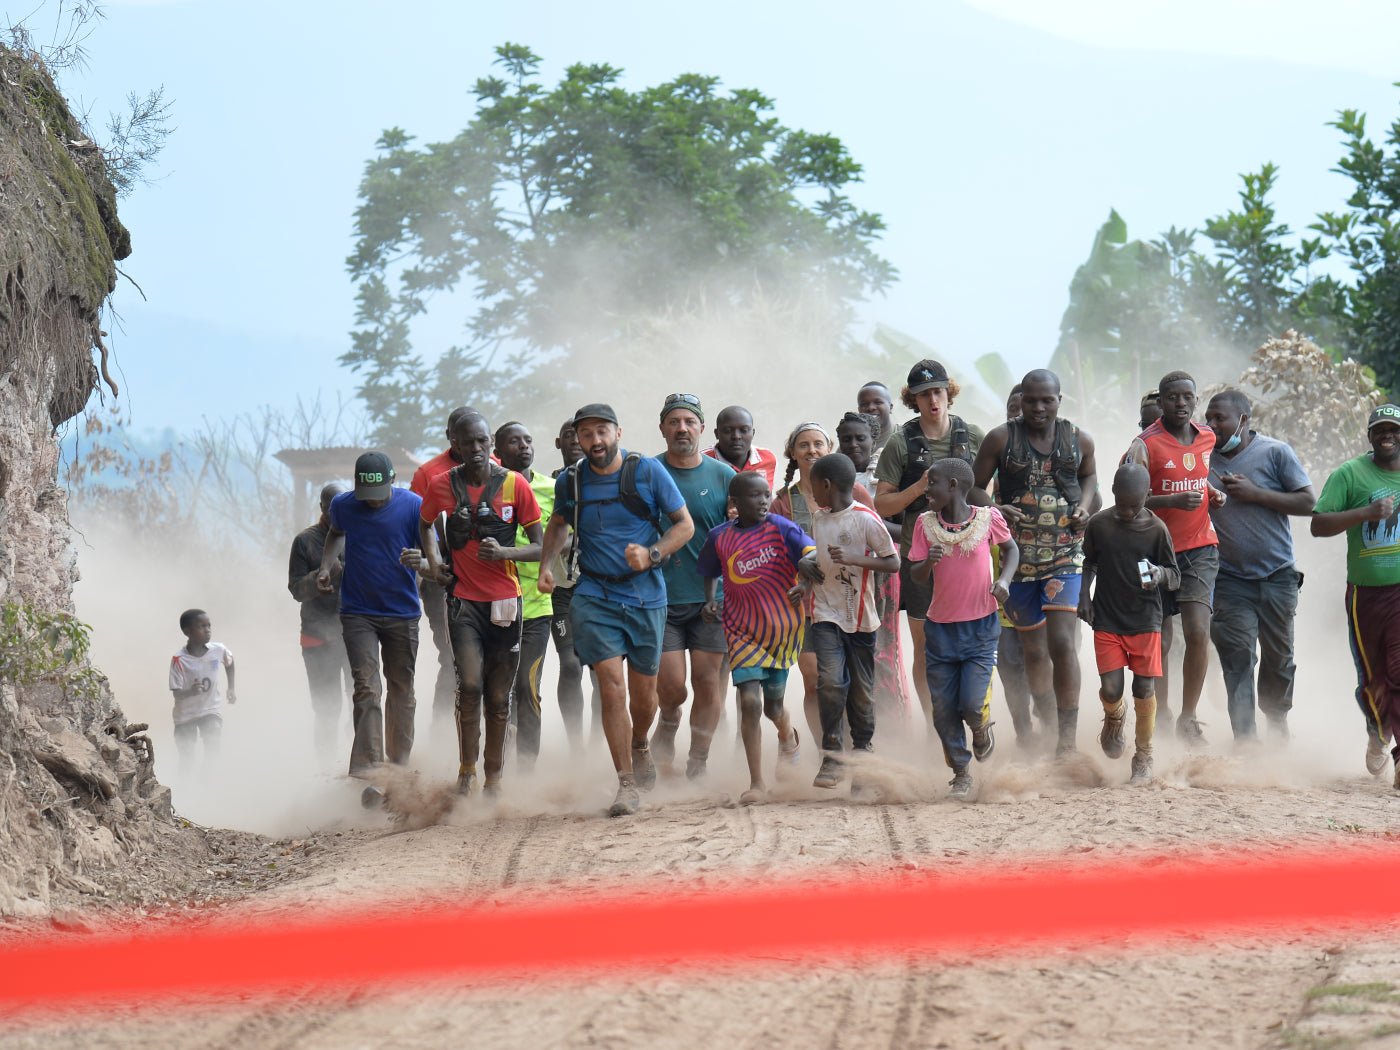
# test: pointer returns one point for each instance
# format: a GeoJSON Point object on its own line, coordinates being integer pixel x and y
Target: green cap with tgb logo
{"type": "Point", "coordinates": [1384, 414]}
{"type": "Point", "coordinates": [374, 476]}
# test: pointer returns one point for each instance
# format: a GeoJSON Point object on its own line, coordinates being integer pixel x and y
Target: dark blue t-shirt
{"type": "Point", "coordinates": [605, 530]}
{"type": "Point", "coordinates": [375, 584]}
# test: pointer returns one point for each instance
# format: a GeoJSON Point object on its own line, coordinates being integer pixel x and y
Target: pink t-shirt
{"type": "Point", "coordinates": [962, 580]}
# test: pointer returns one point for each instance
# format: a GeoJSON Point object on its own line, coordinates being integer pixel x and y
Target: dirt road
{"type": "Point", "coordinates": [1308, 989]}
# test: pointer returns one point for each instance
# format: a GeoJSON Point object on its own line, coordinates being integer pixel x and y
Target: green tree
{"type": "Point", "coordinates": [597, 229]}
{"type": "Point", "coordinates": [1367, 235]}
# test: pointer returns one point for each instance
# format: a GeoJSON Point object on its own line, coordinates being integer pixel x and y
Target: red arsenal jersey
{"type": "Point", "coordinates": [1182, 468]}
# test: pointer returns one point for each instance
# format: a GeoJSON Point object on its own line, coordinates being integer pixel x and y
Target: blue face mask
{"type": "Point", "coordinates": [1234, 441]}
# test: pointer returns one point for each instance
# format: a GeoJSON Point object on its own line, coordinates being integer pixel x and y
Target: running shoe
{"type": "Point", "coordinates": [372, 797]}
{"type": "Point", "coordinates": [983, 741]}
{"type": "Point", "coordinates": [492, 788]}
{"type": "Point", "coordinates": [1190, 732]}
{"type": "Point", "coordinates": [752, 797]}
{"type": "Point", "coordinates": [960, 787]}
{"type": "Point", "coordinates": [1142, 767]}
{"type": "Point", "coordinates": [627, 801]}
{"type": "Point", "coordinates": [1375, 754]}
{"type": "Point", "coordinates": [829, 776]}
{"type": "Point", "coordinates": [694, 768]}
{"type": "Point", "coordinates": [466, 783]}
{"type": "Point", "coordinates": [643, 768]}
{"type": "Point", "coordinates": [1278, 728]}
{"type": "Point", "coordinates": [1111, 736]}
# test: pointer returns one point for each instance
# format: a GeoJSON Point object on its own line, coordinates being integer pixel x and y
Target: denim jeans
{"type": "Point", "coordinates": [383, 725]}
{"type": "Point", "coordinates": [958, 661]}
{"type": "Point", "coordinates": [1254, 619]}
{"type": "Point", "coordinates": [487, 656]}
{"type": "Point", "coordinates": [845, 683]}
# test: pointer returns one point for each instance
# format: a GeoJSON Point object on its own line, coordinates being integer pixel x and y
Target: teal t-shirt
{"type": "Point", "coordinates": [705, 490]}
{"type": "Point", "coordinates": [1373, 548]}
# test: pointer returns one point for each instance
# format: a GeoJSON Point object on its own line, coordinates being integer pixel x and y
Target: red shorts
{"type": "Point", "coordinates": [1139, 653]}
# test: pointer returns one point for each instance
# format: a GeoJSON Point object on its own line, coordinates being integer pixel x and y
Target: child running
{"type": "Point", "coordinates": [952, 545]}
{"type": "Point", "coordinates": [757, 554]}
{"type": "Point", "coordinates": [852, 544]}
{"type": "Point", "coordinates": [198, 692]}
{"type": "Point", "coordinates": [1128, 551]}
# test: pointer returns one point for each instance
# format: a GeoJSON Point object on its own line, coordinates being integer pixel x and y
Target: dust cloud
{"type": "Point", "coordinates": [268, 780]}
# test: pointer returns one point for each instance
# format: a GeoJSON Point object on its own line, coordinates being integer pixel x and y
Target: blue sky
{"type": "Point", "coordinates": [995, 135]}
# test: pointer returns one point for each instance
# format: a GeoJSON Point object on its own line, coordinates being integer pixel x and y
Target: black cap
{"type": "Point", "coordinates": [1384, 414]}
{"type": "Point", "coordinates": [927, 375]}
{"type": "Point", "coordinates": [597, 410]}
{"type": "Point", "coordinates": [374, 476]}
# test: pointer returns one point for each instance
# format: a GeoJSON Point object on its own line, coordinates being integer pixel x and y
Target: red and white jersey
{"type": "Point", "coordinates": [1174, 468]}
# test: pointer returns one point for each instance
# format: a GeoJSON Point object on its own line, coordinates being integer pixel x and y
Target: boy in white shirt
{"type": "Point", "coordinates": [852, 545]}
{"type": "Point", "coordinates": [198, 691]}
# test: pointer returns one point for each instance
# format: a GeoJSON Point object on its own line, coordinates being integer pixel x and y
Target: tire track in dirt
{"type": "Point", "coordinates": [527, 829]}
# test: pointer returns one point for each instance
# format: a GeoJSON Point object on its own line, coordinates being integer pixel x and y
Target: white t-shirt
{"type": "Point", "coordinates": [203, 671]}
{"type": "Point", "coordinates": [847, 596]}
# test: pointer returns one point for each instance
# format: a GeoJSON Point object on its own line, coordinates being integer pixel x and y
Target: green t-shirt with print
{"type": "Point", "coordinates": [1373, 547]}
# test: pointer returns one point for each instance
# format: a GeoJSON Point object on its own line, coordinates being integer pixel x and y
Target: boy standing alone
{"type": "Point", "coordinates": [199, 695]}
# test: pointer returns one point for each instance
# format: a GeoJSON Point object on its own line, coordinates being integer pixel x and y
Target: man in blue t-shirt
{"type": "Point", "coordinates": [619, 605]}
{"type": "Point", "coordinates": [1256, 592]}
{"type": "Point", "coordinates": [376, 526]}
{"type": "Point", "coordinates": [704, 485]}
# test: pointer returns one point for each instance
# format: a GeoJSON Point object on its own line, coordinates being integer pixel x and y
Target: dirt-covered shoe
{"type": "Point", "coordinates": [1190, 731]}
{"type": "Point", "coordinates": [1278, 728]}
{"type": "Point", "coordinates": [1142, 767]}
{"type": "Point", "coordinates": [695, 768]}
{"type": "Point", "coordinates": [1111, 736]}
{"type": "Point", "coordinates": [643, 768]}
{"type": "Point", "coordinates": [663, 743]}
{"type": "Point", "coordinates": [627, 801]}
{"type": "Point", "coordinates": [984, 741]}
{"type": "Point", "coordinates": [752, 797]}
{"type": "Point", "coordinates": [829, 776]}
{"type": "Point", "coordinates": [372, 797]}
{"type": "Point", "coordinates": [1375, 755]}
{"type": "Point", "coordinates": [960, 787]}
{"type": "Point", "coordinates": [466, 783]}
{"type": "Point", "coordinates": [491, 788]}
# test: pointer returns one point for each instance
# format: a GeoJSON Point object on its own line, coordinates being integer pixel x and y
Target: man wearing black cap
{"type": "Point", "coordinates": [901, 477]}
{"type": "Point", "coordinates": [376, 528]}
{"type": "Point", "coordinates": [1361, 498]}
{"type": "Point", "coordinates": [614, 502]}
{"type": "Point", "coordinates": [704, 485]}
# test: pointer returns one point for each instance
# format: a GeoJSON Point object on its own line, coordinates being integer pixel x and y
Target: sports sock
{"type": "Point", "coordinates": [1146, 711]}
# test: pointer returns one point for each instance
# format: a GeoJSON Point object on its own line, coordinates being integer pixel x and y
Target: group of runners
{"type": "Point", "coordinates": [668, 576]}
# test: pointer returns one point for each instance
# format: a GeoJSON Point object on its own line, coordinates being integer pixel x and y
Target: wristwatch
{"type": "Point", "coordinates": [655, 555]}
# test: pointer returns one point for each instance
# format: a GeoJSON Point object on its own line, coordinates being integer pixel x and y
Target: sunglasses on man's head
{"type": "Point", "coordinates": [685, 399]}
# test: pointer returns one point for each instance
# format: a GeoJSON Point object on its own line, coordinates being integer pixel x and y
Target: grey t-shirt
{"type": "Point", "coordinates": [1256, 542]}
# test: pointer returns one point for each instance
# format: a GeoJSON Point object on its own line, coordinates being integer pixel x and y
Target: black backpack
{"type": "Point", "coordinates": [918, 457]}
{"type": "Point", "coordinates": [627, 495]}
{"type": "Point", "coordinates": [476, 521]}
{"type": "Point", "coordinates": [1065, 458]}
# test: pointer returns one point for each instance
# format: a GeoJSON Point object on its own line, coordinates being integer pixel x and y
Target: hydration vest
{"type": "Point", "coordinates": [1015, 466]}
{"type": "Point", "coordinates": [479, 520]}
{"type": "Point", "coordinates": [627, 495]}
{"type": "Point", "coordinates": [919, 457]}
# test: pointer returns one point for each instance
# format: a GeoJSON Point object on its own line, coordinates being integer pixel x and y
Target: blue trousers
{"type": "Point", "coordinates": [958, 661]}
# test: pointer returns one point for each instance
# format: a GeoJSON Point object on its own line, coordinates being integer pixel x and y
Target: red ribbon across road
{"type": "Point", "coordinates": [1002, 909]}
